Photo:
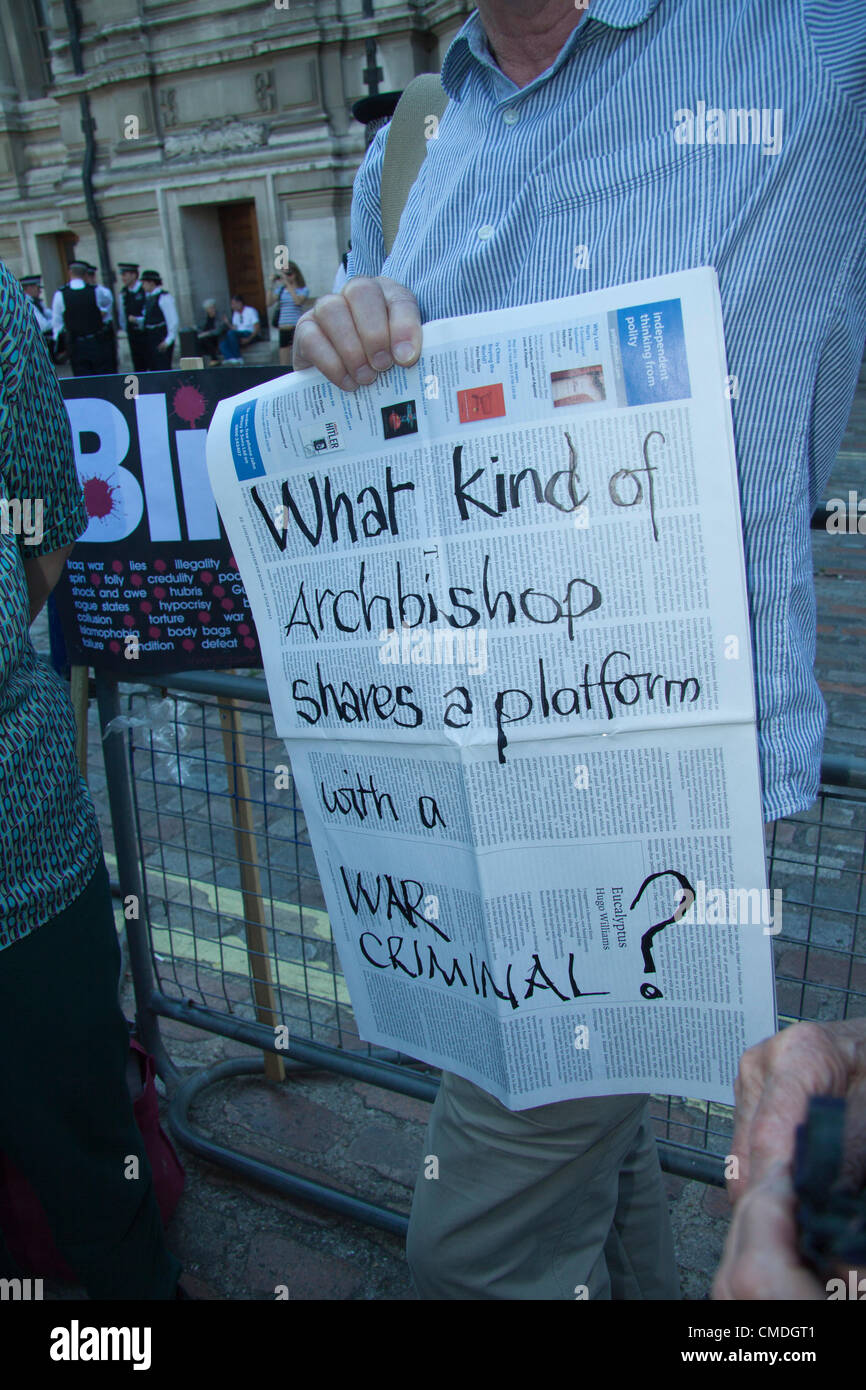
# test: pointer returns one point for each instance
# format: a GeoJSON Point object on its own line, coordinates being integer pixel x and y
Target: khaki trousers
{"type": "Point", "coordinates": [540, 1204]}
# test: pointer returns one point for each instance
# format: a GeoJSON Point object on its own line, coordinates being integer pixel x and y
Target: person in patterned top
{"type": "Point", "coordinates": [66, 1118]}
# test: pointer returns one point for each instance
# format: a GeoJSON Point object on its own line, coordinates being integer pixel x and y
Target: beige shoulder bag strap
{"type": "Point", "coordinates": [406, 147]}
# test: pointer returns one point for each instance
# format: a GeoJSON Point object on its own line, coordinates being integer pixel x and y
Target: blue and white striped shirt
{"type": "Point", "coordinates": [595, 153]}
{"type": "Point", "coordinates": [290, 312]}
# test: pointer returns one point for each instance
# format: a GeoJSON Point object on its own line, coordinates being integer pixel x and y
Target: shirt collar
{"type": "Point", "coordinates": [470, 44]}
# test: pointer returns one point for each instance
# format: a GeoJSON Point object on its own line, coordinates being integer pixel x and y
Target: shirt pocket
{"type": "Point", "coordinates": [571, 178]}
{"type": "Point", "coordinates": [642, 209]}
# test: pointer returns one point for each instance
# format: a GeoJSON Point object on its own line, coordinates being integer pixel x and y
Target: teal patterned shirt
{"type": "Point", "coordinates": [49, 837]}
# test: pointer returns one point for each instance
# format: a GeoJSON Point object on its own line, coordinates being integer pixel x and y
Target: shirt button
{"type": "Point", "coordinates": [485, 232]}
{"type": "Point", "coordinates": [510, 117]}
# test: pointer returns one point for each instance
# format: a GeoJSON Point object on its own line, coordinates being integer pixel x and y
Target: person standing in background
{"type": "Point", "coordinates": [290, 292]}
{"type": "Point", "coordinates": [32, 287]}
{"type": "Point", "coordinates": [342, 274]}
{"type": "Point", "coordinates": [130, 305]}
{"type": "Point", "coordinates": [159, 321]}
{"type": "Point", "coordinates": [104, 296]}
{"type": "Point", "coordinates": [83, 313]}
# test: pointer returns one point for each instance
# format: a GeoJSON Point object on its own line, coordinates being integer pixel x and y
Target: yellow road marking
{"type": "Point", "coordinates": [229, 954]}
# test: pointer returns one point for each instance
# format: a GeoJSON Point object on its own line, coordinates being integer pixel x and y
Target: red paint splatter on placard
{"type": "Point", "coordinates": [228, 603]}
{"type": "Point", "coordinates": [188, 403]}
{"type": "Point", "coordinates": [153, 632]}
{"type": "Point", "coordinates": [99, 497]}
{"type": "Point", "coordinates": [206, 576]}
{"type": "Point", "coordinates": [204, 617]}
{"type": "Point", "coordinates": [114, 645]}
{"type": "Point", "coordinates": [117, 566]}
{"type": "Point", "coordinates": [233, 564]}
{"type": "Point", "coordinates": [136, 580]}
{"type": "Point", "coordinates": [128, 620]}
{"type": "Point", "coordinates": [160, 566]}
{"type": "Point", "coordinates": [218, 590]}
{"type": "Point", "coordinates": [188, 644]}
{"type": "Point", "coordinates": [243, 629]}
{"type": "Point", "coordinates": [249, 642]}
{"type": "Point", "coordinates": [145, 606]}
{"type": "Point", "coordinates": [159, 591]}
{"type": "Point", "coordinates": [96, 580]}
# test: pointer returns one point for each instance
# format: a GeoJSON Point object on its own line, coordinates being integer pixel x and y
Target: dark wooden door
{"type": "Point", "coordinates": [239, 229]}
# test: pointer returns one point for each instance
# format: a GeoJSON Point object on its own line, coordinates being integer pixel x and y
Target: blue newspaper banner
{"type": "Point", "coordinates": [653, 350]}
{"type": "Point", "coordinates": [244, 446]}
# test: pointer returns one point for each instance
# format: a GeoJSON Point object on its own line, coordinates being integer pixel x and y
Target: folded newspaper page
{"type": "Point", "coordinates": [502, 605]}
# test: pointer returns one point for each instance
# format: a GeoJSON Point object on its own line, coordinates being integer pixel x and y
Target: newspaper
{"type": "Point", "coordinates": [502, 605]}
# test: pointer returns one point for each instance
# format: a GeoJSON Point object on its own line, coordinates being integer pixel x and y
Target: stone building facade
{"type": "Point", "coordinates": [219, 131]}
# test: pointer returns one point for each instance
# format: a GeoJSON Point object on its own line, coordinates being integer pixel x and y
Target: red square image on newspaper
{"type": "Point", "coordinates": [481, 403]}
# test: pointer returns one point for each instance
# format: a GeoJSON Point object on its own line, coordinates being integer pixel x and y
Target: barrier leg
{"type": "Point", "coordinates": [117, 776]}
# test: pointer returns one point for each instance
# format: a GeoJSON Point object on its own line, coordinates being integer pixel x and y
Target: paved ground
{"type": "Point", "coordinates": [240, 1241]}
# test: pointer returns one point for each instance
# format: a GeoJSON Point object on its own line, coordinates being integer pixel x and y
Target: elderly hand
{"type": "Point", "coordinates": [775, 1083]}
{"type": "Point", "coordinates": [363, 330]}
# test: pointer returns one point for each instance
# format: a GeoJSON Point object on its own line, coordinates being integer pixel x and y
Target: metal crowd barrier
{"type": "Point", "coordinates": [171, 802]}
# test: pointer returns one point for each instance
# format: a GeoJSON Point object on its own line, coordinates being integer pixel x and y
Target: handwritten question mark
{"type": "Point", "coordinates": [648, 989]}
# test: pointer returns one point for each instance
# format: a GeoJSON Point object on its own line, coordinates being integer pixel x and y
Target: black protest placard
{"type": "Point", "coordinates": [152, 585]}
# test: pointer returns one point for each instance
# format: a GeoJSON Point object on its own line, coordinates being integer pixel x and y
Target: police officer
{"type": "Point", "coordinates": [83, 313]}
{"type": "Point", "coordinates": [130, 306]}
{"type": "Point", "coordinates": [90, 278]}
{"type": "Point", "coordinates": [32, 287]}
{"type": "Point", "coordinates": [160, 322]}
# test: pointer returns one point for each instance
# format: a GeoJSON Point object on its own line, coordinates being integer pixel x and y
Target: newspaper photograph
{"type": "Point", "coordinates": [502, 608]}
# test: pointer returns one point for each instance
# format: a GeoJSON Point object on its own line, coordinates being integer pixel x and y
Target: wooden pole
{"type": "Point", "coordinates": [251, 884]}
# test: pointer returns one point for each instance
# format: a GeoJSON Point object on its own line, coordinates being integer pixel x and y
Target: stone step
{"type": "Point", "coordinates": [261, 354]}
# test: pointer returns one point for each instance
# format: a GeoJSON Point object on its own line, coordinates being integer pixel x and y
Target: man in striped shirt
{"type": "Point", "coordinates": [583, 148]}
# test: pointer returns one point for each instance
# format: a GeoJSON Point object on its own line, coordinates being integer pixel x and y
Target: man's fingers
{"type": "Point", "coordinates": [363, 330]}
{"type": "Point", "coordinates": [748, 1088]}
{"type": "Point", "coordinates": [761, 1260]}
{"type": "Point", "coordinates": [356, 325]}
{"type": "Point", "coordinates": [367, 302]}
{"type": "Point", "coordinates": [767, 1119]}
{"type": "Point", "coordinates": [775, 1082]}
{"type": "Point", "coordinates": [311, 347]}
{"type": "Point", "coordinates": [404, 318]}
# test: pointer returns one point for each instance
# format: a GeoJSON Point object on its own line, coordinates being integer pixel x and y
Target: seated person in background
{"type": "Point", "coordinates": [244, 329]}
{"type": "Point", "coordinates": [209, 331]}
